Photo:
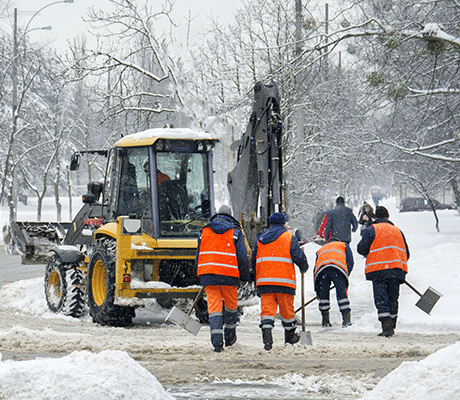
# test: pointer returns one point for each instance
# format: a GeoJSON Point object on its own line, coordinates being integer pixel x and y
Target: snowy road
{"type": "Point", "coordinates": [11, 269]}
{"type": "Point", "coordinates": [341, 364]}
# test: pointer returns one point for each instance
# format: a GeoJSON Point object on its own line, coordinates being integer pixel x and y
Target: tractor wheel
{"type": "Point", "coordinates": [64, 288]}
{"type": "Point", "coordinates": [101, 287]}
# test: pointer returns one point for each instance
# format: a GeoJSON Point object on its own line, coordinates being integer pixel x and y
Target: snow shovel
{"type": "Point", "coordinates": [185, 320]}
{"type": "Point", "coordinates": [427, 299]}
{"type": "Point", "coordinates": [305, 336]}
{"type": "Point", "coordinates": [310, 301]}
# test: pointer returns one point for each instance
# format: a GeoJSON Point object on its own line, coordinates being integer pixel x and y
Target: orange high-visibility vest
{"type": "Point", "coordinates": [274, 265]}
{"type": "Point", "coordinates": [331, 253]}
{"type": "Point", "coordinates": [388, 250]}
{"type": "Point", "coordinates": [217, 254]}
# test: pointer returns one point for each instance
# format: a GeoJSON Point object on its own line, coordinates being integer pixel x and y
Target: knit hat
{"type": "Point", "coordinates": [381, 212]}
{"type": "Point", "coordinates": [340, 199]}
{"type": "Point", "coordinates": [277, 219]}
{"type": "Point", "coordinates": [226, 210]}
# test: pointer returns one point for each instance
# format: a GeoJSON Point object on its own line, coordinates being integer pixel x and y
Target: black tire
{"type": "Point", "coordinates": [101, 287]}
{"type": "Point", "coordinates": [64, 288]}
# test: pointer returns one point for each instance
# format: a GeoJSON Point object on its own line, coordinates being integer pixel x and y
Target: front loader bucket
{"type": "Point", "coordinates": [33, 240]}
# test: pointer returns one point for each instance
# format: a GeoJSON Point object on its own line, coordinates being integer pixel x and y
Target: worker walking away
{"type": "Point", "coordinates": [334, 263]}
{"type": "Point", "coordinates": [222, 262]}
{"type": "Point", "coordinates": [386, 251]}
{"type": "Point", "coordinates": [340, 222]}
{"type": "Point", "coordinates": [273, 258]}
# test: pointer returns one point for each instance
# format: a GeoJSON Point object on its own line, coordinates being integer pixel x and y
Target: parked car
{"type": "Point", "coordinates": [420, 204]}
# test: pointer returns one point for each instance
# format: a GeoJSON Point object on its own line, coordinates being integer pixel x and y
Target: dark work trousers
{"type": "Point", "coordinates": [386, 295]}
{"type": "Point", "coordinates": [322, 287]}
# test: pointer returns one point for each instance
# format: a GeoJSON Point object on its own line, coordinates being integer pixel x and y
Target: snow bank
{"type": "Point", "coordinates": [435, 377]}
{"type": "Point", "coordinates": [107, 375]}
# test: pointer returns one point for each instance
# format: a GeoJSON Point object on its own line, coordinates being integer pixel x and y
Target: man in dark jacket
{"type": "Point", "coordinates": [222, 262]}
{"type": "Point", "coordinates": [334, 263]}
{"type": "Point", "coordinates": [341, 221]}
{"type": "Point", "coordinates": [386, 252]}
{"type": "Point", "coordinates": [273, 259]}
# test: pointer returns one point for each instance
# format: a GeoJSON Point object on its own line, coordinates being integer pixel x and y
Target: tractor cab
{"type": "Point", "coordinates": [164, 179]}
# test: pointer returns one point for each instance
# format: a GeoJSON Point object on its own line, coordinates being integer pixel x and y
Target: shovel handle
{"type": "Point", "coordinates": [310, 301]}
{"type": "Point", "coordinates": [303, 299]}
{"type": "Point", "coordinates": [198, 296]}
{"type": "Point", "coordinates": [414, 289]}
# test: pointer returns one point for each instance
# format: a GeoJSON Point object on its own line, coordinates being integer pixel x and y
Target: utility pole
{"type": "Point", "coordinates": [9, 167]}
{"type": "Point", "coordinates": [298, 27]}
{"type": "Point", "coordinates": [297, 78]}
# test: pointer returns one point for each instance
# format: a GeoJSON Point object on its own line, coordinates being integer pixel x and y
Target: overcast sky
{"type": "Point", "coordinates": [66, 19]}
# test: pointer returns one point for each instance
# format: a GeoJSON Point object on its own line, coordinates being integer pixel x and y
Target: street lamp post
{"type": "Point", "coordinates": [15, 87]}
{"type": "Point", "coordinates": [15, 52]}
{"type": "Point", "coordinates": [41, 9]}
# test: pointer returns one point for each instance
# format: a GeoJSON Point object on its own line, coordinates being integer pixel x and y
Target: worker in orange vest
{"type": "Point", "coordinates": [386, 251]}
{"type": "Point", "coordinates": [334, 263]}
{"type": "Point", "coordinates": [222, 262]}
{"type": "Point", "coordinates": [273, 259]}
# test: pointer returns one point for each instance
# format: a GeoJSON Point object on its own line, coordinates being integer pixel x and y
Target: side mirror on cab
{"type": "Point", "coordinates": [75, 162]}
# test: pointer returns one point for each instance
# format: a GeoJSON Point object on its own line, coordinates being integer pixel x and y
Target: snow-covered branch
{"type": "Point", "coordinates": [421, 151]}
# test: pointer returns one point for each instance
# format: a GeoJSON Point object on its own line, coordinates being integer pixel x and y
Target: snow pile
{"type": "Point", "coordinates": [25, 295]}
{"type": "Point", "coordinates": [435, 377]}
{"type": "Point", "coordinates": [107, 375]}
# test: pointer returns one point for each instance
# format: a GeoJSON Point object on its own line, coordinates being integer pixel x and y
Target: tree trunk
{"type": "Point", "coordinates": [56, 193]}
{"type": "Point", "coordinates": [39, 207]}
{"type": "Point", "coordinates": [69, 191]}
{"type": "Point", "coordinates": [12, 211]}
{"type": "Point", "coordinates": [433, 208]}
{"type": "Point", "coordinates": [456, 191]}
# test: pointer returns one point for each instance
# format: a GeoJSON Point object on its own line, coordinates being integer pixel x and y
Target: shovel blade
{"type": "Point", "coordinates": [305, 338]}
{"type": "Point", "coordinates": [185, 321]}
{"type": "Point", "coordinates": [428, 300]}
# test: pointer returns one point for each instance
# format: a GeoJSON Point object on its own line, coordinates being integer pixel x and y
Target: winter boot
{"type": "Point", "coordinates": [387, 328]}
{"type": "Point", "coordinates": [229, 336]}
{"type": "Point", "coordinates": [290, 336]}
{"type": "Point", "coordinates": [394, 320]}
{"type": "Point", "coordinates": [267, 338]}
{"type": "Point", "coordinates": [346, 319]}
{"type": "Point", "coordinates": [326, 323]}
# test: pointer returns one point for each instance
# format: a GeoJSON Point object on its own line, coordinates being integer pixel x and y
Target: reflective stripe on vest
{"type": "Point", "coordinates": [332, 254]}
{"type": "Point", "coordinates": [217, 254]}
{"type": "Point", "coordinates": [274, 262]}
{"type": "Point", "coordinates": [387, 251]}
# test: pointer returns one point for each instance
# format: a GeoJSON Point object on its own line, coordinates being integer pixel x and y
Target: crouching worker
{"type": "Point", "coordinates": [334, 263]}
{"type": "Point", "coordinates": [222, 261]}
{"type": "Point", "coordinates": [273, 258]}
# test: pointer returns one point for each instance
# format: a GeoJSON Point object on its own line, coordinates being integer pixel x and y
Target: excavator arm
{"type": "Point", "coordinates": [255, 184]}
